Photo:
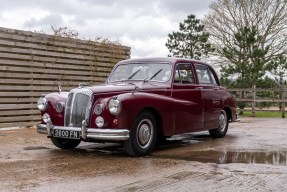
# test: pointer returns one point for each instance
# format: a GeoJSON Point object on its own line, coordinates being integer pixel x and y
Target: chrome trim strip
{"type": "Point", "coordinates": [108, 134]}
{"type": "Point", "coordinates": [88, 133]}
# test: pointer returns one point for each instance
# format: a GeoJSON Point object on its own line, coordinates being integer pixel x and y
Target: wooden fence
{"type": "Point", "coordinates": [254, 97]}
{"type": "Point", "coordinates": [32, 64]}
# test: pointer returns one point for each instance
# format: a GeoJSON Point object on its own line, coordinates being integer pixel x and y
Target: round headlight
{"type": "Point", "coordinates": [98, 109]}
{"type": "Point", "coordinates": [115, 106]}
{"type": "Point", "coordinates": [42, 103]}
{"type": "Point", "coordinates": [46, 118]}
{"type": "Point", "coordinates": [100, 121]}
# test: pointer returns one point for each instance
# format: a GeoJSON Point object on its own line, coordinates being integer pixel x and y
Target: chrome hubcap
{"type": "Point", "coordinates": [145, 132]}
{"type": "Point", "coordinates": [222, 121]}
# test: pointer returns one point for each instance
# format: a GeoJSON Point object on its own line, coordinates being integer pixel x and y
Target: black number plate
{"type": "Point", "coordinates": [66, 134]}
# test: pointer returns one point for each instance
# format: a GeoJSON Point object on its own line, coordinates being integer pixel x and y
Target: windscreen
{"type": "Point", "coordinates": [142, 71]}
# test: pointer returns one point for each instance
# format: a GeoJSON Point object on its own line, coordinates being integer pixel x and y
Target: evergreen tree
{"type": "Point", "coordinates": [278, 68]}
{"type": "Point", "coordinates": [191, 41]}
{"type": "Point", "coordinates": [247, 59]}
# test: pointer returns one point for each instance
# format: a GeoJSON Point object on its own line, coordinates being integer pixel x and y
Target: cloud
{"type": "Point", "coordinates": [138, 28]}
{"type": "Point", "coordinates": [79, 21]}
{"type": "Point", "coordinates": [185, 6]}
{"type": "Point", "coordinates": [143, 25]}
{"type": "Point", "coordinates": [50, 20]}
{"type": "Point", "coordinates": [153, 47]}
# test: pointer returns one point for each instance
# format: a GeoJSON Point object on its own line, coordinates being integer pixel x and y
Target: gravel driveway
{"type": "Point", "coordinates": [252, 157]}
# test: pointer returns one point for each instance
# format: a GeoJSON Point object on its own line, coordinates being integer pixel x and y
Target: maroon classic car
{"type": "Point", "coordinates": [142, 101]}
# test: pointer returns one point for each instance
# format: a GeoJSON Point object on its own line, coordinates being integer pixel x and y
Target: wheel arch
{"type": "Point", "coordinates": [157, 117]}
{"type": "Point", "coordinates": [228, 112]}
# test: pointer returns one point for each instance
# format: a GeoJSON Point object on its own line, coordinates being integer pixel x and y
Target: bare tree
{"type": "Point", "coordinates": [269, 17]}
{"type": "Point", "coordinates": [65, 32]}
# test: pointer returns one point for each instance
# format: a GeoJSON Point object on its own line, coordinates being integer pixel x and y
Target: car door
{"type": "Point", "coordinates": [188, 110]}
{"type": "Point", "coordinates": [210, 92]}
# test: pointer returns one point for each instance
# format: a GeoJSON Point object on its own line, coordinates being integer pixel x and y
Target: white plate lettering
{"type": "Point", "coordinates": [66, 134]}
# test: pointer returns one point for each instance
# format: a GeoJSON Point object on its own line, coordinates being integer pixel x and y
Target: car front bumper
{"type": "Point", "coordinates": [87, 133]}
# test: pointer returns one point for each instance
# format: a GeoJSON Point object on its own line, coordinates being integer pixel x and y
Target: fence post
{"type": "Point", "coordinates": [253, 100]}
{"type": "Point", "coordinates": [283, 103]}
{"type": "Point", "coordinates": [241, 96]}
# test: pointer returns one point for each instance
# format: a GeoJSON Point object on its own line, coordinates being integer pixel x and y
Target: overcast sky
{"type": "Point", "coordinates": [142, 25]}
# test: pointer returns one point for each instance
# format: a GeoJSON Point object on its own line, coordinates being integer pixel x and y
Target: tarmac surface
{"type": "Point", "coordinates": [252, 157]}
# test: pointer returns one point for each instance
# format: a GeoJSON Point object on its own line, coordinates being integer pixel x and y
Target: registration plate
{"type": "Point", "coordinates": [66, 134]}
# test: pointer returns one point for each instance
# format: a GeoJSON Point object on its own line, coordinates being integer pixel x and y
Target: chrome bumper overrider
{"type": "Point", "coordinates": [87, 133]}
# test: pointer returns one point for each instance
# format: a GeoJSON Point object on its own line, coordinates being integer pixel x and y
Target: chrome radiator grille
{"type": "Point", "coordinates": [77, 105]}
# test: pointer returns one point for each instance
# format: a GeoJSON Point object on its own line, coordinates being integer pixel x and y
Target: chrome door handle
{"type": "Point", "coordinates": [199, 88]}
{"type": "Point", "coordinates": [216, 88]}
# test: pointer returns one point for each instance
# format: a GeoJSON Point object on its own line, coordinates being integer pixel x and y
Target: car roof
{"type": "Point", "coordinates": [172, 60]}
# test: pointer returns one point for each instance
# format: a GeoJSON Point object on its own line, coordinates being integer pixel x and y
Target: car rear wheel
{"type": "Point", "coordinates": [142, 136]}
{"type": "Point", "coordinates": [223, 126]}
{"type": "Point", "coordinates": [65, 143]}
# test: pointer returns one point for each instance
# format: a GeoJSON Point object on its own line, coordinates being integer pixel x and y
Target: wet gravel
{"type": "Point", "coordinates": [252, 157]}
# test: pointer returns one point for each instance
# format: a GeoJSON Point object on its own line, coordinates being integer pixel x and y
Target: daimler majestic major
{"type": "Point", "coordinates": [142, 101]}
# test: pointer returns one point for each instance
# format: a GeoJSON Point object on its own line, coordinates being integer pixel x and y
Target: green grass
{"type": "Point", "coordinates": [263, 114]}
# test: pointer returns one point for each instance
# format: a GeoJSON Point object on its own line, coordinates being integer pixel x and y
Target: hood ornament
{"type": "Point", "coordinates": [59, 88]}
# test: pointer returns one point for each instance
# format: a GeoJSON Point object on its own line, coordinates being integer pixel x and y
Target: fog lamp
{"type": "Point", "coordinates": [46, 118]}
{"type": "Point", "coordinates": [100, 121]}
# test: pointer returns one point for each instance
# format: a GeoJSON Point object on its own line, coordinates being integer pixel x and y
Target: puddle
{"type": "Point", "coordinates": [219, 157]}
{"type": "Point", "coordinates": [35, 148]}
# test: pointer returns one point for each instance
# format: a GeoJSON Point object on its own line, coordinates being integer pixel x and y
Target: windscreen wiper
{"type": "Point", "coordinates": [153, 76]}
{"type": "Point", "coordinates": [133, 74]}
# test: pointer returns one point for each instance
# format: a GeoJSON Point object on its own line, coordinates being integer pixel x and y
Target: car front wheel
{"type": "Point", "coordinates": [223, 126]}
{"type": "Point", "coordinates": [65, 143]}
{"type": "Point", "coordinates": [142, 136]}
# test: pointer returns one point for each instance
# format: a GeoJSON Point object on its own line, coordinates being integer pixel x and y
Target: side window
{"type": "Point", "coordinates": [183, 74]}
{"type": "Point", "coordinates": [203, 74]}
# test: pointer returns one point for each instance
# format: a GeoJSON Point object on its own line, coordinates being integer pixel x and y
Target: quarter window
{"type": "Point", "coordinates": [204, 75]}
